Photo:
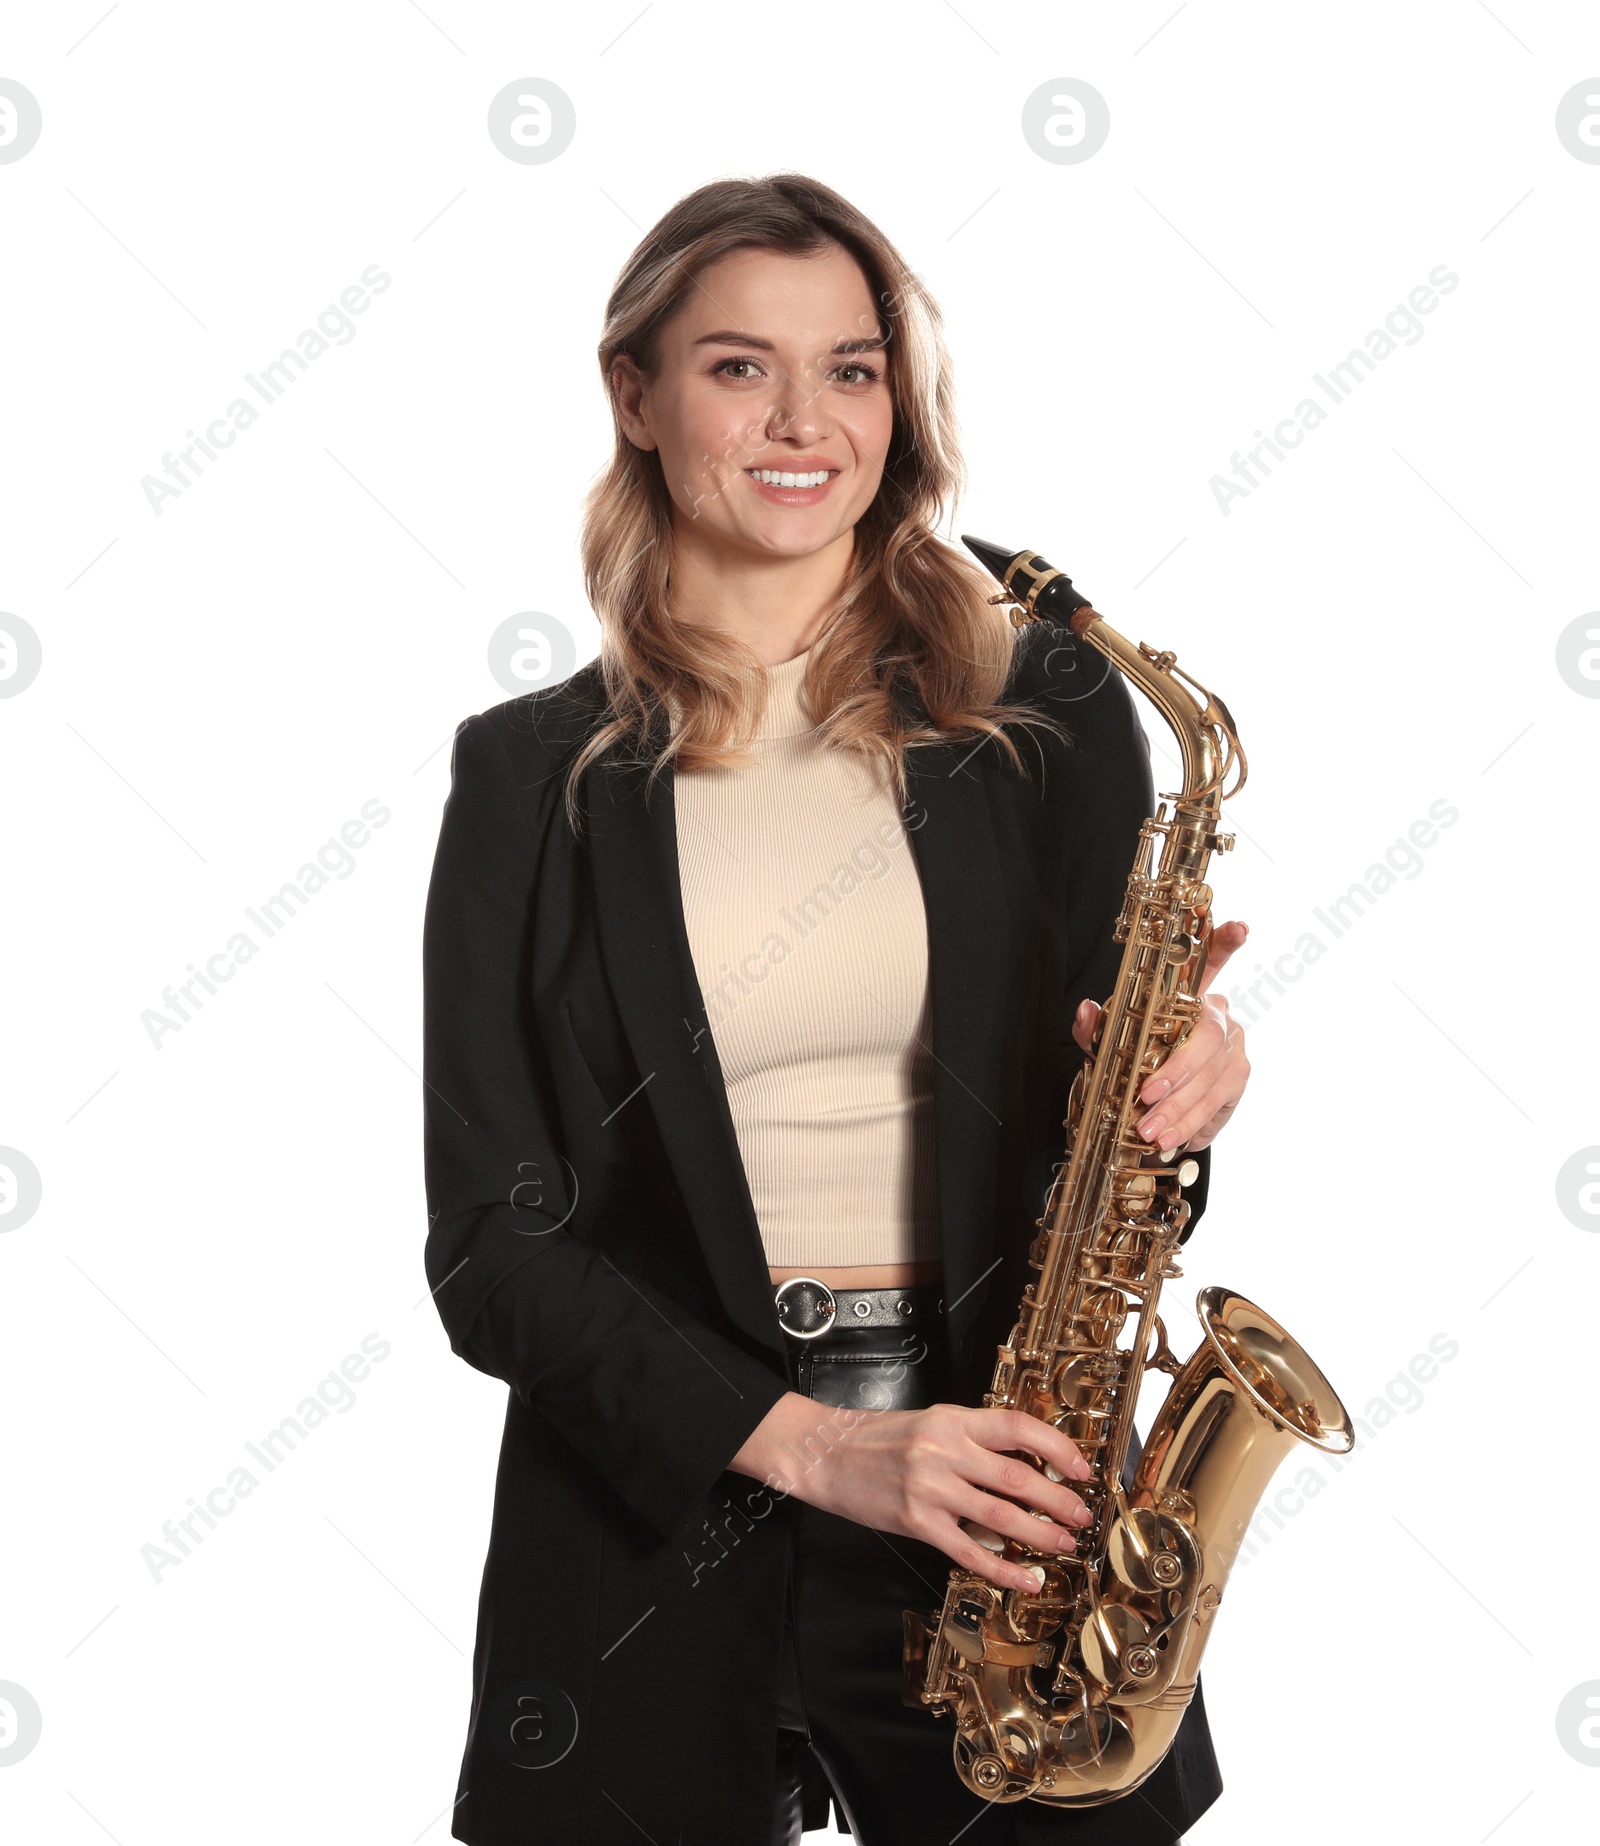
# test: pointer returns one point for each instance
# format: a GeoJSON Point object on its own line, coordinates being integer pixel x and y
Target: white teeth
{"type": "Point", "coordinates": [772, 477]}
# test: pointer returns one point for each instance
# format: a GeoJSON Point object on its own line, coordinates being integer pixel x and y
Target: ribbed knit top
{"type": "Point", "coordinates": [806, 925]}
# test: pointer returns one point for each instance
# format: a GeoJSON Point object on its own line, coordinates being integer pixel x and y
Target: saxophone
{"type": "Point", "coordinates": [1072, 1694]}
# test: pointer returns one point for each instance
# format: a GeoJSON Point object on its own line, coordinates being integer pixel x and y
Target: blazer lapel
{"type": "Point", "coordinates": [645, 945]}
{"type": "Point", "coordinates": [947, 816]}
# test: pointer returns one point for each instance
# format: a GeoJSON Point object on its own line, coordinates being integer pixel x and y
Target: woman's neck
{"type": "Point", "coordinates": [776, 605]}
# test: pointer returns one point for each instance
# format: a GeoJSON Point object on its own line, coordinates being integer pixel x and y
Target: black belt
{"type": "Point", "coordinates": [870, 1348]}
{"type": "Point", "coordinates": [809, 1309]}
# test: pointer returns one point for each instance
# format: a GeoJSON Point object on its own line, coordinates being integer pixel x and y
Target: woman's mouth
{"type": "Point", "coordinates": [796, 487]}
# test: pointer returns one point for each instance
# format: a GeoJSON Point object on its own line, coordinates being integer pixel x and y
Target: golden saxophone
{"type": "Point", "coordinates": [1073, 1694]}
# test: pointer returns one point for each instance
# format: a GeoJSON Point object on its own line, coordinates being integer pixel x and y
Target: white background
{"type": "Point", "coordinates": [225, 684]}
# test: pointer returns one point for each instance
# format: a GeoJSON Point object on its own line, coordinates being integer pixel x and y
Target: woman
{"type": "Point", "coordinates": [759, 957]}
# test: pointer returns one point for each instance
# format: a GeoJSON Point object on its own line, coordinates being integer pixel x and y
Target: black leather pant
{"type": "Point", "coordinates": [844, 1732]}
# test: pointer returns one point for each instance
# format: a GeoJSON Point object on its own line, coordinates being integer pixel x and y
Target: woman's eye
{"type": "Point", "coordinates": [854, 374]}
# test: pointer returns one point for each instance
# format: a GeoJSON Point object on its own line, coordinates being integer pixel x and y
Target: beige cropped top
{"type": "Point", "coordinates": [806, 925]}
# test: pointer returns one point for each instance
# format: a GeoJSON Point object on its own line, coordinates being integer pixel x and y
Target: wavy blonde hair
{"type": "Point", "coordinates": [914, 652]}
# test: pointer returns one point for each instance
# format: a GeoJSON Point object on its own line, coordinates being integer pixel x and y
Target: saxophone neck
{"type": "Point", "coordinates": [1199, 720]}
{"type": "Point", "coordinates": [1202, 724]}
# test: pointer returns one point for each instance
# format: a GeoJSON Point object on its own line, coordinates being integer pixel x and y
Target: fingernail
{"type": "Point", "coordinates": [1152, 1125]}
{"type": "Point", "coordinates": [1083, 1516]}
{"type": "Point", "coordinates": [1156, 1088]}
{"type": "Point", "coordinates": [1080, 1469]}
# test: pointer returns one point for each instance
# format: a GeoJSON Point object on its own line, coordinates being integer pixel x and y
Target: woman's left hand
{"type": "Point", "coordinates": [1198, 1087]}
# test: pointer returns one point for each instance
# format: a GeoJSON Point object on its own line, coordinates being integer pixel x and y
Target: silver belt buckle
{"type": "Point", "coordinates": [828, 1307]}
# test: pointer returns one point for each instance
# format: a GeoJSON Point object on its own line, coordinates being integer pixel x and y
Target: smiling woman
{"type": "Point", "coordinates": [793, 1094]}
{"type": "Point", "coordinates": [766, 329]}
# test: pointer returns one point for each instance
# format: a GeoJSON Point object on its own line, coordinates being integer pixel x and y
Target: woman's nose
{"type": "Point", "coordinates": [796, 408]}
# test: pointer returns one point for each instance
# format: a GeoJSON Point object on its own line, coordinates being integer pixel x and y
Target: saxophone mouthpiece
{"type": "Point", "coordinates": [1043, 591]}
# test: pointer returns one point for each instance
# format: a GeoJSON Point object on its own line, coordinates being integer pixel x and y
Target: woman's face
{"type": "Point", "coordinates": [774, 364]}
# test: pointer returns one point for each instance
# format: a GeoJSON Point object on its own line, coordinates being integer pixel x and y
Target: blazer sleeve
{"type": "Point", "coordinates": [1110, 791]}
{"type": "Point", "coordinates": [658, 1401]}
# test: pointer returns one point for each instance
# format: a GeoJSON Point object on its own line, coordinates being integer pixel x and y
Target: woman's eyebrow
{"type": "Point", "coordinates": [725, 338]}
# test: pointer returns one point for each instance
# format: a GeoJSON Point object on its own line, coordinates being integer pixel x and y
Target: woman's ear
{"type": "Point", "coordinates": [627, 386]}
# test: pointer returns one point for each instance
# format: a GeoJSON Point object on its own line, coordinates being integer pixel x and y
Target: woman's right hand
{"type": "Point", "coordinates": [919, 1473]}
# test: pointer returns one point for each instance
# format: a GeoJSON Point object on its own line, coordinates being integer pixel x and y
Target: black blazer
{"type": "Point", "coordinates": [592, 1241]}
